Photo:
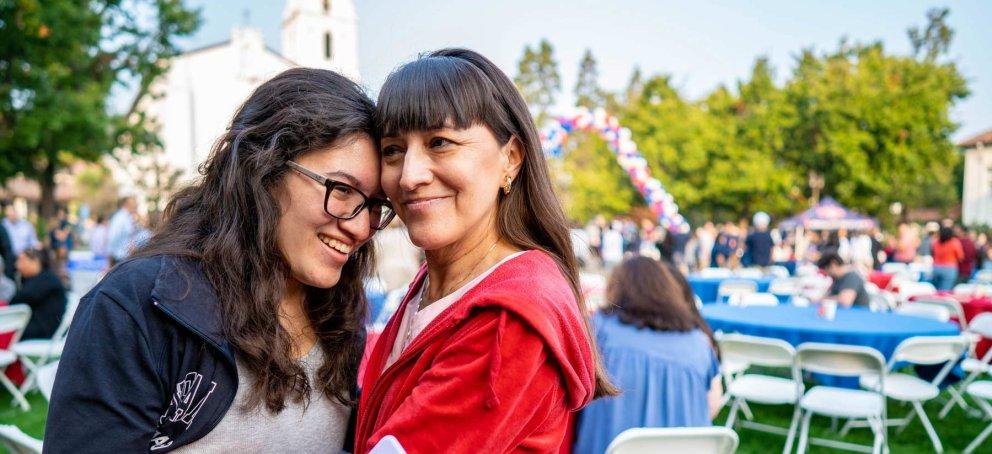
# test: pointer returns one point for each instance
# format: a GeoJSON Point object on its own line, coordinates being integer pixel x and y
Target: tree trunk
{"type": "Point", "coordinates": [47, 182]}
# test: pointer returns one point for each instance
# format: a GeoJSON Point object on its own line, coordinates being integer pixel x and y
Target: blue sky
{"type": "Point", "coordinates": [701, 44]}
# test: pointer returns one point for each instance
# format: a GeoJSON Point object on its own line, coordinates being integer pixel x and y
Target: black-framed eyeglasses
{"type": "Point", "coordinates": [344, 201]}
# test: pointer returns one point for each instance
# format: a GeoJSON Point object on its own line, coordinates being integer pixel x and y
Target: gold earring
{"type": "Point", "coordinates": [507, 181]}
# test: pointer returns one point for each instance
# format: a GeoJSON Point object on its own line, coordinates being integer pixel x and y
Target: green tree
{"type": "Point", "coordinates": [538, 79]}
{"type": "Point", "coordinates": [875, 126]}
{"type": "Point", "coordinates": [595, 183]}
{"type": "Point", "coordinates": [59, 62]}
{"type": "Point", "coordinates": [588, 94]}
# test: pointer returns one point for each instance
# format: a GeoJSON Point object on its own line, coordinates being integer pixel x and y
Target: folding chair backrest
{"type": "Point", "coordinates": [925, 310]}
{"type": "Point", "coordinates": [952, 305]}
{"type": "Point", "coordinates": [908, 289]}
{"type": "Point", "coordinates": [759, 351]}
{"type": "Point", "coordinates": [778, 271]}
{"type": "Point", "coordinates": [753, 299]}
{"type": "Point", "coordinates": [785, 287]}
{"type": "Point", "coordinates": [930, 349]}
{"type": "Point", "coordinates": [965, 289]}
{"type": "Point", "coordinates": [835, 359]}
{"type": "Point", "coordinates": [71, 304]}
{"type": "Point", "coordinates": [751, 273]}
{"type": "Point", "coordinates": [715, 272]}
{"type": "Point", "coordinates": [46, 379]}
{"type": "Point", "coordinates": [893, 268]}
{"type": "Point", "coordinates": [696, 440]}
{"type": "Point", "coordinates": [982, 325]}
{"type": "Point", "coordinates": [18, 442]}
{"type": "Point", "coordinates": [13, 319]}
{"type": "Point", "coordinates": [730, 287]}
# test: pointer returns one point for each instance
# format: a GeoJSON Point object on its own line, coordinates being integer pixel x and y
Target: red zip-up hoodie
{"type": "Point", "coordinates": [498, 371]}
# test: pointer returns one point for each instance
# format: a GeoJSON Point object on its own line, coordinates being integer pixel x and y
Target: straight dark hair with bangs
{"type": "Point", "coordinates": [227, 221]}
{"type": "Point", "coordinates": [459, 88]}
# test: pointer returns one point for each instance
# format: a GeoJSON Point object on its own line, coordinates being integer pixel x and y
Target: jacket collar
{"type": "Point", "coordinates": [183, 292]}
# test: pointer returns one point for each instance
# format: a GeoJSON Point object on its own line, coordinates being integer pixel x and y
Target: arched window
{"type": "Point", "coordinates": [327, 46]}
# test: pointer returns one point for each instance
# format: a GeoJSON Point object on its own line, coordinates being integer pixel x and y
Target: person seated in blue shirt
{"type": "Point", "coordinates": [657, 349]}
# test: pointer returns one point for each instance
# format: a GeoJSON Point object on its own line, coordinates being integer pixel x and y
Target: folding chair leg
{"type": "Point", "coordinates": [747, 411]}
{"type": "Point", "coordinates": [16, 393]}
{"type": "Point", "coordinates": [905, 422]}
{"type": "Point", "coordinates": [978, 440]}
{"type": "Point", "coordinates": [956, 398]}
{"type": "Point", "coordinates": [877, 426]}
{"type": "Point", "coordinates": [732, 416]}
{"type": "Point", "coordinates": [929, 427]}
{"type": "Point", "coordinates": [792, 430]}
{"type": "Point", "coordinates": [30, 369]}
{"type": "Point", "coordinates": [804, 433]}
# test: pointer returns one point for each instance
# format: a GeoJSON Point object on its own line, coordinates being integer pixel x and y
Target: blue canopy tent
{"type": "Point", "coordinates": [829, 215]}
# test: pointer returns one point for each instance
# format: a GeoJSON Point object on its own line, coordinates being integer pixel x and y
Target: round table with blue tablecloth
{"type": "Point", "coordinates": [706, 287]}
{"type": "Point", "coordinates": [795, 325]}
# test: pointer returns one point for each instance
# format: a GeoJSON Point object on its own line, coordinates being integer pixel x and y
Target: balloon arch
{"type": "Point", "coordinates": [661, 203]}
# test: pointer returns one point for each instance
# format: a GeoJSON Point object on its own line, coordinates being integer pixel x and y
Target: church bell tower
{"type": "Point", "coordinates": [322, 34]}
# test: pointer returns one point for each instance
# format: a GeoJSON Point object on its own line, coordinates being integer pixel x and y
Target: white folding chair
{"type": "Point", "coordinates": [730, 368]}
{"type": "Point", "coordinates": [909, 289]}
{"type": "Point", "coordinates": [716, 272]}
{"type": "Point", "coordinates": [965, 289]}
{"type": "Point", "coordinates": [893, 267]}
{"type": "Point", "coordinates": [850, 361]}
{"type": "Point", "coordinates": [46, 379]}
{"type": "Point", "coordinates": [778, 271]}
{"type": "Point", "coordinates": [35, 353]}
{"type": "Point", "coordinates": [759, 388]}
{"type": "Point", "coordinates": [18, 442]}
{"type": "Point", "coordinates": [981, 392]}
{"type": "Point", "coordinates": [881, 302]}
{"type": "Point", "coordinates": [921, 350]}
{"type": "Point", "coordinates": [980, 326]}
{"type": "Point", "coordinates": [750, 273]}
{"type": "Point", "coordinates": [734, 286]}
{"type": "Point", "coordinates": [696, 440]}
{"type": "Point", "coordinates": [752, 299]}
{"type": "Point", "coordinates": [925, 310]}
{"type": "Point", "coordinates": [13, 319]}
{"type": "Point", "coordinates": [953, 306]}
{"type": "Point", "coordinates": [697, 301]}
{"type": "Point", "coordinates": [785, 286]}
{"type": "Point", "coordinates": [983, 276]}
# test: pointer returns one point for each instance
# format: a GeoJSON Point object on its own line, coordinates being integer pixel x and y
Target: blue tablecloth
{"type": "Point", "coordinates": [795, 325]}
{"type": "Point", "coordinates": [706, 287]}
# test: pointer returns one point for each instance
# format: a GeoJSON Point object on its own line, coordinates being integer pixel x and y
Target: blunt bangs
{"type": "Point", "coordinates": [434, 92]}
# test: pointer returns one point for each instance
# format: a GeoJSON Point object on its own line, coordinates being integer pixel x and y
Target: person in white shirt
{"type": "Point", "coordinates": [21, 231]}
{"type": "Point", "coordinates": [99, 236]}
{"type": "Point", "coordinates": [121, 231]}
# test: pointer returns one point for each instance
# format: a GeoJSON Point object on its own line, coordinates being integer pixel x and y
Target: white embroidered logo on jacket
{"type": "Point", "coordinates": [186, 403]}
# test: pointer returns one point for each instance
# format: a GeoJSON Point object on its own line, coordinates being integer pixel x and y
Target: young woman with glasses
{"type": "Point", "coordinates": [239, 326]}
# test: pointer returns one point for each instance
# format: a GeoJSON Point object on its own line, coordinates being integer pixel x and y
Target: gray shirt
{"type": "Point", "coordinates": [319, 427]}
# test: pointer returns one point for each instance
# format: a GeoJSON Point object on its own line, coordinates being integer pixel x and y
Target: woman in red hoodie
{"type": "Point", "coordinates": [490, 350]}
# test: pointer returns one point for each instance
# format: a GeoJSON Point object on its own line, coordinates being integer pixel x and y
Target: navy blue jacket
{"type": "Point", "coordinates": [146, 366]}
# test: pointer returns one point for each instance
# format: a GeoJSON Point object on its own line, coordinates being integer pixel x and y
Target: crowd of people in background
{"type": "Point", "coordinates": [34, 268]}
{"type": "Point", "coordinates": [955, 251]}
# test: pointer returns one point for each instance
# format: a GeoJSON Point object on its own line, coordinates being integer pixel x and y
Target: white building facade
{"type": "Point", "coordinates": [977, 198]}
{"type": "Point", "coordinates": [193, 103]}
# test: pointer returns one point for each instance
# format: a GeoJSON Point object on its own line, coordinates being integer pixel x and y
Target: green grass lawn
{"type": "Point", "coordinates": [955, 432]}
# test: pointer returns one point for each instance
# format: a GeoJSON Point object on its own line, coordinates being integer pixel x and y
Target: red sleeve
{"type": "Point", "coordinates": [487, 389]}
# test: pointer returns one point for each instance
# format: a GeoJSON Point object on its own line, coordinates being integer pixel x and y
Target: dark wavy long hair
{"type": "Point", "coordinates": [227, 221]}
{"type": "Point", "coordinates": [464, 87]}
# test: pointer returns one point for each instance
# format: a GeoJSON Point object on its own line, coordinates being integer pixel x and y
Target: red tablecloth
{"type": "Point", "coordinates": [14, 372]}
{"type": "Point", "coordinates": [880, 279]}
